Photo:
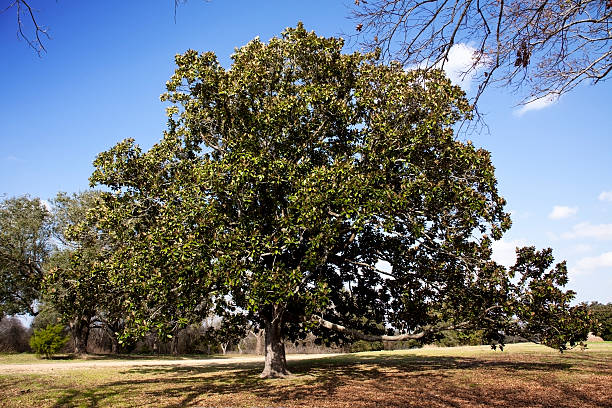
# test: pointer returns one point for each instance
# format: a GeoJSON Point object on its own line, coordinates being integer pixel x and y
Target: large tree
{"type": "Point", "coordinates": [542, 47]}
{"type": "Point", "coordinates": [311, 190]}
{"type": "Point", "coordinates": [25, 246]}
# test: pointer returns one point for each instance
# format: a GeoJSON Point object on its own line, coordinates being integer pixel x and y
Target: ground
{"type": "Point", "coordinates": [524, 375]}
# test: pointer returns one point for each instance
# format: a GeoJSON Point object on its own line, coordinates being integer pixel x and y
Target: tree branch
{"type": "Point", "coordinates": [373, 337]}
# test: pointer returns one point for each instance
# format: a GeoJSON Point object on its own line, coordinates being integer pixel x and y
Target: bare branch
{"type": "Point", "coordinates": [538, 47]}
{"type": "Point", "coordinates": [399, 337]}
{"type": "Point", "coordinates": [25, 11]}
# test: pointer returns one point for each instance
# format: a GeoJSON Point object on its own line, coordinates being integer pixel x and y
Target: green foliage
{"type": "Point", "coordinates": [283, 182]}
{"type": "Point", "coordinates": [453, 338]}
{"type": "Point", "coordinates": [47, 316]}
{"type": "Point", "coordinates": [25, 246]}
{"type": "Point", "coordinates": [543, 309]}
{"type": "Point", "coordinates": [603, 317]}
{"type": "Point", "coordinates": [362, 345]}
{"type": "Point", "coordinates": [77, 290]}
{"type": "Point", "coordinates": [49, 340]}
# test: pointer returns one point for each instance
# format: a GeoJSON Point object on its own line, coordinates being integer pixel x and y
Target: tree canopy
{"type": "Point", "coordinates": [310, 190]}
{"type": "Point", "coordinates": [25, 245]}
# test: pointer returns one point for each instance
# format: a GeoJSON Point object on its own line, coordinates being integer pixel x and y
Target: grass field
{"type": "Point", "coordinates": [525, 375]}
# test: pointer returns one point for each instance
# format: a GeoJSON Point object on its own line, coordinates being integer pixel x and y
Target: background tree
{"type": "Point", "coordinates": [312, 190]}
{"type": "Point", "coordinates": [603, 315]}
{"type": "Point", "coordinates": [547, 47]}
{"type": "Point", "coordinates": [25, 245]}
{"type": "Point", "coordinates": [14, 337]}
{"type": "Point", "coordinates": [72, 285]}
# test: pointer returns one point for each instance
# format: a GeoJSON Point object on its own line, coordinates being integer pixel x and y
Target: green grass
{"type": "Point", "coordinates": [31, 358]}
{"type": "Point", "coordinates": [523, 375]}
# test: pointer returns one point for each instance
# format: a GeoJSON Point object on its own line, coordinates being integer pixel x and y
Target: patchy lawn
{"type": "Point", "coordinates": [522, 376]}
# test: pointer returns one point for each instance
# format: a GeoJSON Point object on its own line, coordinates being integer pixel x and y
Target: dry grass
{"type": "Point", "coordinates": [522, 376]}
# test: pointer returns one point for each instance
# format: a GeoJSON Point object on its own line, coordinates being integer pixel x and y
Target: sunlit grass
{"type": "Point", "coordinates": [526, 375]}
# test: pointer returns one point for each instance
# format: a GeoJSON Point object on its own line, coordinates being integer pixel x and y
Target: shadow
{"type": "Point", "coordinates": [133, 357]}
{"type": "Point", "coordinates": [61, 357]}
{"type": "Point", "coordinates": [364, 381]}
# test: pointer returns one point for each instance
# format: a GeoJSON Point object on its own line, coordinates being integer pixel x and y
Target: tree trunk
{"type": "Point", "coordinates": [275, 361]}
{"type": "Point", "coordinates": [114, 345]}
{"type": "Point", "coordinates": [259, 345]}
{"type": "Point", "coordinates": [174, 344]}
{"type": "Point", "coordinates": [80, 334]}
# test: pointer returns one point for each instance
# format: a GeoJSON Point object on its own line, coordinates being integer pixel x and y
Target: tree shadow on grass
{"type": "Point", "coordinates": [132, 357]}
{"type": "Point", "coordinates": [355, 381]}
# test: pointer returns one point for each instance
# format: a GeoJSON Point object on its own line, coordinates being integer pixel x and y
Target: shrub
{"type": "Point", "coordinates": [49, 340]}
{"type": "Point", "coordinates": [362, 345]}
{"type": "Point", "coordinates": [454, 338]}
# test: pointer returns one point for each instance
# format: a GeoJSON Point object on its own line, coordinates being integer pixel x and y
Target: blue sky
{"type": "Point", "coordinates": [107, 64]}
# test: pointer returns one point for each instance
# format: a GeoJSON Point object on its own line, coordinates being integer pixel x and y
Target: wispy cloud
{"type": "Point", "coordinates": [537, 104]}
{"type": "Point", "coordinates": [595, 262]}
{"type": "Point", "coordinates": [605, 196]}
{"type": "Point", "coordinates": [504, 252]}
{"type": "Point", "coordinates": [588, 230]}
{"type": "Point", "coordinates": [560, 211]}
{"type": "Point", "coordinates": [13, 159]}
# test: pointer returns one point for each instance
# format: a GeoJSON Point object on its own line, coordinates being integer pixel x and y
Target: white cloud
{"type": "Point", "coordinates": [460, 65]}
{"type": "Point", "coordinates": [560, 211]}
{"type": "Point", "coordinates": [46, 204]}
{"type": "Point", "coordinates": [605, 196]}
{"type": "Point", "coordinates": [588, 230]}
{"type": "Point", "coordinates": [595, 262]}
{"type": "Point", "coordinates": [504, 252]}
{"type": "Point", "coordinates": [537, 104]}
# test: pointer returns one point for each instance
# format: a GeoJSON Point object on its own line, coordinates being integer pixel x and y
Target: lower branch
{"type": "Point", "coordinates": [371, 337]}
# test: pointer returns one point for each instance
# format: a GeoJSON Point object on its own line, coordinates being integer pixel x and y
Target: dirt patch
{"type": "Point", "coordinates": [86, 364]}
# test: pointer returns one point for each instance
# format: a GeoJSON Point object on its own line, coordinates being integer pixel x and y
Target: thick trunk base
{"type": "Point", "coordinates": [80, 334]}
{"type": "Point", "coordinates": [275, 361]}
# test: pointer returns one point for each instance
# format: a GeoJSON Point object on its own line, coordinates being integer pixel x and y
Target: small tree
{"type": "Point", "coordinates": [49, 340]}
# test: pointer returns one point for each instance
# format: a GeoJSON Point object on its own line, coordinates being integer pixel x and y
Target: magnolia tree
{"type": "Point", "coordinates": [304, 189]}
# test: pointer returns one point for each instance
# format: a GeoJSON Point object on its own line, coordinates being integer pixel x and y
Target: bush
{"type": "Point", "coordinates": [362, 345]}
{"type": "Point", "coordinates": [454, 338]}
{"type": "Point", "coordinates": [49, 340]}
